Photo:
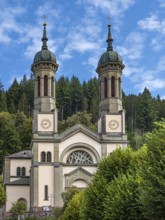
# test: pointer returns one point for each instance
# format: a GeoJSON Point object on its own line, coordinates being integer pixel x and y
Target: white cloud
{"type": "Point", "coordinates": [151, 84]}
{"type": "Point", "coordinates": [4, 38]}
{"type": "Point", "coordinates": [65, 56]}
{"type": "Point", "coordinates": [8, 23]}
{"type": "Point", "coordinates": [151, 23]}
{"type": "Point", "coordinates": [112, 7]}
{"type": "Point", "coordinates": [83, 36]}
{"type": "Point", "coordinates": [155, 42]}
{"type": "Point", "coordinates": [161, 64]}
{"type": "Point", "coordinates": [133, 46]}
{"type": "Point", "coordinates": [162, 4]}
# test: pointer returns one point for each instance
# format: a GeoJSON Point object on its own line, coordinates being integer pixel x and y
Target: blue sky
{"type": "Point", "coordinates": [77, 32]}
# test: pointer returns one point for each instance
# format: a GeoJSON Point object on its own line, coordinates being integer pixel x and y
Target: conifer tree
{"type": "Point", "coordinates": [146, 114]}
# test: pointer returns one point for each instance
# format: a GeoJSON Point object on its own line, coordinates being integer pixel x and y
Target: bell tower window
{"type": "Point", "coordinates": [52, 87]}
{"type": "Point", "coordinates": [105, 88]}
{"type": "Point", "coordinates": [38, 86]}
{"type": "Point", "coordinates": [113, 86]}
{"type": "Point", "coordinates": [45, 85]}
{"type": "Point", "coordinates": [119, 86]}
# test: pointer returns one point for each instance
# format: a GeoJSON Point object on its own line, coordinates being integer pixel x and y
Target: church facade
{"type": "Point", "coordinates": [58, 161]}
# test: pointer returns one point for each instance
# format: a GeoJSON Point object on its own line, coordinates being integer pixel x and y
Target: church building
{"type": "Point", "coordinates": [58, 161]}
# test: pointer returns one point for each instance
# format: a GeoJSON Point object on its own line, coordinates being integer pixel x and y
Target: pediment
{"type": "Point", "coordinates": [77, 174]}
{"type": "Point", "coordinates": [78, 170]}
{"type": "Point", "coordinates": [79, 128]}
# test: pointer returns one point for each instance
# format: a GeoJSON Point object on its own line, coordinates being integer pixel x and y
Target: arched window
{"type": "Point", "coordinates": [43, 156]}
{"type": "Point", "coordinates": [105, 88]}
{"type": "Point", "coordinates": [52, 87]}
{"type": "Point", "coordinates": [23, 171]}
{"type": "Point", "coordinates": [113, 86]}
{"type": "Point", "coordinates": [49, 157]}
{"type": "Point", "coordinates": [18, 171]}
{"type": "Point", "coordinates": [46, 192]}
{"type": "Point", "coordinates": [119, 86]}
{"type": "Point", "coordinates": [45, 85]}
{"type": "Point", "coordinates": [79, 157]}
{"type": "Point", "coordinates": [38, 86]}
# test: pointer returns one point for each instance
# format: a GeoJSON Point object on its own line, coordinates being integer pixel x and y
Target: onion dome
{"type": "Point", "coordinates": [110, 55]}
{"type": "Point", "coordinates": [44, 54]}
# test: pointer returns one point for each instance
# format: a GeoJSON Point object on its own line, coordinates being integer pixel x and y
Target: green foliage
{"type": "Point", "coordinates": [152, 195]}
{"type": "Point", "coordinates": [68, 194]}
{"type": "Point", "coordinates": [92, 205]}
{"type": "Point", "coordinates": [72, 210]}
{"type": "Point", "coordinates": [9, 137]}
{"type": "Point", "coordinates": [121, 201]}
{"type": "Point", "coordinates": [57, 212]}
{"type": "Point", "coordinates": [114, 191]}
{"type": "Point", "coordinates": [119, 161]}
{"type": "Point", "coordinates": [76, 95]}
{"type": "Point", "coordinates": [79, 117]}
{"type": "Point", "coordinates": [23, 126]}
{"type": "Point", "coordinates": [130, 104]}
{"type": "Point", "coordinates": [136, 139]}
{"type": "Point", "coordinates": [146, 114]}
{"type": "Point", "coordinates": [2, 194]}
{"type": "Point", "coordinates": [3, 104]}
{"type": "Point", "coordinates": [63, 97]}
{"type": "Point", "coordinates": [18, 208]}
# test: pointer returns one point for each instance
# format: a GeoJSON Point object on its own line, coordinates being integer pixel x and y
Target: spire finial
{"type": "Point", "coordinates": [44, 17]}
{"type": "Point", "coordinates": [109, 39]}
{"type": "Point", "coordinates": [109, 20]}
{"type": "Point", "coordinates": [44, 38]}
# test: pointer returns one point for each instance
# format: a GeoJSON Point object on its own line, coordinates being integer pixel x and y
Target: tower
{"type": "Point", "coordinates": [44, 68]}
{"type": "Point", "coordinates": [45, 122]}
{"type": "Point", "coordinates": [111, 113]}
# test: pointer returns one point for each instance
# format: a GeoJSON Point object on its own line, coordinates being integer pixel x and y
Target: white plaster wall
{"type": "Point", "coordinates": [45, 147]}
{"type": "Point", "coordinates": [80, 184]}
{"type": "Point", "coordinates": [79, 138]}
{"type": "Point", "coordinates": [99, 126]}
{"type": "Point", "coordinates": [46, 177]}
{"type": "Point", "coordinates": [17, 192]}
{"type": "Point", "coordinates": [111, 147]}
{"type": "Point", "coordinates": [14, 163]}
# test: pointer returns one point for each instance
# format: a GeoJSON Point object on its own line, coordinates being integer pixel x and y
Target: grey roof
{"type": "Point", "coordinates": [110, 56]}
{"type": "Point", "coordinates": [21, 181]}
{"type": "Point", "coordinates": [22, 154]}
{"type": "Point", "coordinates": [44, 55]}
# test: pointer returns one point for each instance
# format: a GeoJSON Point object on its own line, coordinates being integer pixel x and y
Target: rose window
{"type": "Point", "coordinates": [79, 157]}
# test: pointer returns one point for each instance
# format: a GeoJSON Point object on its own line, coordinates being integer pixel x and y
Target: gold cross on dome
{"type": "Point", "coordinates": [44, 17]}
